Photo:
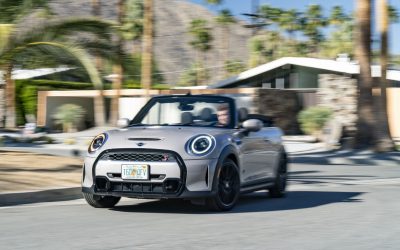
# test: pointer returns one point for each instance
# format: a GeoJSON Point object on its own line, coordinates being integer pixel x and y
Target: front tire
{"type": "Point", "coordinates": [278, 190]}
{"type": "Point", "coordinates": [99, 201]}
{"type": "Point", "coordinates": [227, 187]}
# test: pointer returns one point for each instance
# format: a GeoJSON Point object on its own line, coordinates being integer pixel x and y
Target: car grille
{"type": "Point", "coordinates": [140, 157]}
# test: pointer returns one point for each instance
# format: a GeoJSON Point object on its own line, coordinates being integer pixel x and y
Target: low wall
{"type": "Point", "coordinates": [339, 93]}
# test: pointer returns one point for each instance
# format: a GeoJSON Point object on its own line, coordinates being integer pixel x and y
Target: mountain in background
{"type": "Point", "coordinates": [173, 53]}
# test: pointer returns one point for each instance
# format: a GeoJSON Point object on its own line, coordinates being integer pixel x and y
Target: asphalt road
{"type": "Point", "coordinates": [327, 207]}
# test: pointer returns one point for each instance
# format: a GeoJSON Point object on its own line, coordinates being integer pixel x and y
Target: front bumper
{"type": "Point", "coordinates": [174, 179]}
{"type": "Point", "coordinates": [148, 195]}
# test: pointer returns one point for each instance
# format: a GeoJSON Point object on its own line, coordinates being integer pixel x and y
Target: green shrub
{"type": "Point", "coordinates": [69, 115]}
{"type": "Point", "coordinates": [313, 119]}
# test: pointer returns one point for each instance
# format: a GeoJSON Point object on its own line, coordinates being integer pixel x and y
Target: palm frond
{"type": "Point", "coordinates": [63, 30]}
{"type": "Point", "coordinates": [65, 50]}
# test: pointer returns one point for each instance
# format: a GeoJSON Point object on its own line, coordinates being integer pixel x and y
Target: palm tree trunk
{"type": "Point", "coordinates": [118, 70]}
{"type": "Point", "coordinates": [99, 105]}
{"type": "Point", "coordinates": [11, 120]}
{"type": "Point", "coordinates": [384, 141]}
{"type": "Point", "coordinates": [117, 84]}
{"type": "Point", "coordinates": [147, 53]}
{"type": "Point", "coordinates": [366, 119]}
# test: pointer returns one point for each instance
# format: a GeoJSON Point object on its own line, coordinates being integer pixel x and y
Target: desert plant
{"type": "Point", "coordinates": [313, 119]}
{"type": "Point", "coordinates": [69, 115]}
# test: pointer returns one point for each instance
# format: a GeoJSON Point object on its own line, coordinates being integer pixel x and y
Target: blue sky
{"type": "Point", "coordinates": [244, 6]}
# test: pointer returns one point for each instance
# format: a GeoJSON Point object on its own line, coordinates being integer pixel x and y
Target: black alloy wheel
{"type": "Point", "coordinates": [227, 187]}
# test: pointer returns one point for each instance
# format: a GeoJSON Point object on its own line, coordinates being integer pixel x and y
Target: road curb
{"type": "Point", "coordinates": [21, 198]}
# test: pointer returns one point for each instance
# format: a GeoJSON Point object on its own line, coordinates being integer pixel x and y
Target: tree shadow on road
{"type": "Point", "coordinates": [318, 177]}
{"type": "Point", "coordinates": [254, 202]}
{"type": "Point", "coordinates": [350, 157]}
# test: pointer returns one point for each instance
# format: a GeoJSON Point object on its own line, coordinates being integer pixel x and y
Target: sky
{"type": "Point", "coordinates": [244, 6]}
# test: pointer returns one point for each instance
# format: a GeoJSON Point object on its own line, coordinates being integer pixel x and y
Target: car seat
{"type": "Point", "coordinates": [207, 115]}
{"type": "Point", "coordinates": [186, 118]}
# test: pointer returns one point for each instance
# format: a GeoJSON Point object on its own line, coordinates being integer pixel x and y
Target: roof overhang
{"type": "Point", "coordinates": [342, 67]}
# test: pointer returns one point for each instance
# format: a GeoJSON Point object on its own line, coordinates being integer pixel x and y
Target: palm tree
{"type": "Point", "coordinates": [337, 16]}
{"type": "Point", "coordinates": [55, 34]}
{"type": "Point", "coordinates": [340, 41]}
{"type": "Point", "coordinates": [201, 39]}
{"type": "Point", "coordinates": [225, 19]}
{"type": "Point", "coordinates": [132, 26]}
{"type": "Point", "coordinates": [365, 135]}
{"type": "Point", "coordinates": [147, 52]}
{"type": "Point", "coordinates": [289, 21]}
{"type": "Point", "coordinates": [313, 21]}
{"type": "Point", "coordinates": [393, 14]}
{"type": "Point", "coordinates": [269, 14]}
{"type": "Point", "coordinates": [384, 141]}
{"type": "Point", "coordinates": [12, 11]}
{"type": "Point", "coordinates": [117, 67]}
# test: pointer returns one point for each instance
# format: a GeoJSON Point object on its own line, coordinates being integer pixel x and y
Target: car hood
{"type": "Point", "coordinates": [161, 137]}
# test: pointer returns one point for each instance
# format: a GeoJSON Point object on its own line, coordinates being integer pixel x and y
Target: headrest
{"type": "Point", "coordinates": [242, 113]}
{"type": "Point", "coordinates": [186, 118]}
{"type": "Point", "coordinates": [206, 114]}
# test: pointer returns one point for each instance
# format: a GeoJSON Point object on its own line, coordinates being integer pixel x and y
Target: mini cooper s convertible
{"type": "Point", "coordinates": [196, 147]}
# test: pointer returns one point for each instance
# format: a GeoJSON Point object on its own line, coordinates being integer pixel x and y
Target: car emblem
{"type": "Point", "coordinates": [140, 144]}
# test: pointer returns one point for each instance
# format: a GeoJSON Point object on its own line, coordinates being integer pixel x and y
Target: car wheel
{"type": "Point", "coordinates": [279, 187]}
{"type": "Point", "coordinates": [99, 201]}
{"type": "Point", "coordinates": [227, 187]}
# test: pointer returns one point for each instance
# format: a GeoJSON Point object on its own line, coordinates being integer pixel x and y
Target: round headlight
{"type": "Point", "coordinates": [201, 145]}
{"type": "Point", "coordinates": [97, 142]}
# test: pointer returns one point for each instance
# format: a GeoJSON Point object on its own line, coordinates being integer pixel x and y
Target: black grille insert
{"type": "Point", "coordinates": [139, 157]}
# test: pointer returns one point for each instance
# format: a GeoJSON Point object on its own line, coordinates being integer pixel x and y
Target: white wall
{"type": "Point", "coordinates": [130, 106]}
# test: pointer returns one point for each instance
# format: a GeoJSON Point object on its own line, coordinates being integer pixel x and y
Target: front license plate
{"type": "Point", "coordinates": [135, 172]}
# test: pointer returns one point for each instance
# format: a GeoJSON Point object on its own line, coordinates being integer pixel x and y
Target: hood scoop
{"type": "Point", "coordinates": [144, 139]}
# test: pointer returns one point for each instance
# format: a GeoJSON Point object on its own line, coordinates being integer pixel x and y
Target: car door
{"type": "Point", "coordinates": [254, 160]}
{"type": "Point", "coordinates": [270, 148]}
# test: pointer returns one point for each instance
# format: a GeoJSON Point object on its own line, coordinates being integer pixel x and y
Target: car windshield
{"type": "Point", "coordinates": [187, 111]}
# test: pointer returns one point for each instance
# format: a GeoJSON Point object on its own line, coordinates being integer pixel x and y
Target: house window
{"type": "Point", "coordinates": [266, 85]}
{"type": "Point", "coordinates": [280, 83]}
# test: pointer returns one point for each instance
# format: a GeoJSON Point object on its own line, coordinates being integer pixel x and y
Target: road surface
{"type": "Point", "coordinates": [327, 207]}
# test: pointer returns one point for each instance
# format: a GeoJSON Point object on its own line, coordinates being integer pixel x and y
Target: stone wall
{"type": "Point", "coordinates": [339, 93]}
{"type": "Point", "coordinates": [283, 105]}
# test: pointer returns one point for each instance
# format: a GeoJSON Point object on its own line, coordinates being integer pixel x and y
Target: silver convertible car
{"type": "Point", "coordinates": [197, 147]}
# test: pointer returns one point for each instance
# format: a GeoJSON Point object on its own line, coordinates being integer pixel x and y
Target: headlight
{"type": "Point", "coordinates": [201, 145]}
{"type": "Point", "coordinates": [97, 142]}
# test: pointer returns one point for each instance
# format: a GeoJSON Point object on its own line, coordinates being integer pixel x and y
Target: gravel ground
{"type": "Point", "coordinates": [22, 171]}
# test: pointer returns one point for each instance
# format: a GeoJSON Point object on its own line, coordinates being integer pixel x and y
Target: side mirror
{"type": "Point", "coordinates": [122, 123]}
{"type": "Point", "coordinates": [252, 125]}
